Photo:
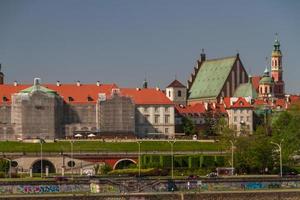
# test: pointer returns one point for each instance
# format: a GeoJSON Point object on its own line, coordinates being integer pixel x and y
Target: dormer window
{"type": "Point", "coordinates": [4, 99]}
{"type": "Point", "coordinates": [89, 98]}
{"type": "Point", "coordinates": [241, 103]}
{"type": "Point", "coordinates": [70, 98]}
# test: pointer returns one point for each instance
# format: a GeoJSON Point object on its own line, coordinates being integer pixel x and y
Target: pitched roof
{"type": "Point", "coordinates": [146, 96]}
{"type": "Point", "coordinates": [241, 103]}
{"type": "Point", "coordinates": [245, 90]}
{"type": "Point", "coordinates": [79, 94]}
{"type": "Point", "coordinates": [255, 82]}
{"type": "Point", "coordinates": [176, 84]}
{"type": "Point", "coordinates": [211, 77]}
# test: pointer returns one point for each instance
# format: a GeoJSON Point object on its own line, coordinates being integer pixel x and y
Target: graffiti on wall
{"type": "Point", "coordinates": [34, 189]}
{"type": "Point", "coordinates": [42, 189]}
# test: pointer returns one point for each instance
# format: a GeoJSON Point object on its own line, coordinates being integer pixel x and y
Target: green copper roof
{"type": "Point", "coordinates": [266, 80]}
{"type": "Point", "coordinates": [211, 77]}
{"type": "Point", "coordinates": [245, 90]}
{"type": "Point", "coordinates": [39, 88]}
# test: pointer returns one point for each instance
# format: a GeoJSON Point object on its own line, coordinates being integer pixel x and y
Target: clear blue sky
{"type": "Point", "coordinates": [122, 40]}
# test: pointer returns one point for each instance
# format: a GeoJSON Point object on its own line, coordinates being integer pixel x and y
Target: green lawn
{"type": "Point", "coordinates": [95, 146]}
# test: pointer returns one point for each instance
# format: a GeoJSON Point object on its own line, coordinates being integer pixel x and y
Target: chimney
{"type": "Point", "coordinates": [58, 83]}
{"type": "Point", "coordinates": [138, 89]}
{"type": "Point", "coordinates": [36, 81]}
{"type": "Point", "coordinates": [202, 56]}
{"type": "Point", "coordinates": [157, 89]}
{"type": "Point", "coordinates": [206, 105]}
{"type": "Point", "coordinates": [221, 100]}
{"type": "Point", "coordinates": [15, 83]}
{"type": "Point", "coordinates": [78, 83]}
{"type": "Point", "coordinates": [98, 83]}
{"type": "Point", "coordinates": [287, 98]}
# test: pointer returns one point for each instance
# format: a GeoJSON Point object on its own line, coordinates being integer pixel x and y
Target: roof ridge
{"type": "Point", "coordinates": [222, 58]}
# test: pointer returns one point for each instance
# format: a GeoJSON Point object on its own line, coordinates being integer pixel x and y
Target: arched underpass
{"type": "Point", "coordinates": [36, 166]}
{"type": "Point", "coordinates": [124, 163]}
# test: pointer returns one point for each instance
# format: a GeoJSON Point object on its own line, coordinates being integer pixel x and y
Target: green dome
{"type": "Point", "coordinates": [266, 80]}
{"type": "Point", "coordinates": [245, 90]}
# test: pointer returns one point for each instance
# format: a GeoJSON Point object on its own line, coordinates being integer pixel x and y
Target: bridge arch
{"type": "Point", "coordinates": [124, 163]}
{"type": "Point", "coordinates": [36, 166]}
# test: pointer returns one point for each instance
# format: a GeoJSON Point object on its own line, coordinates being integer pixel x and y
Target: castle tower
{"type": "Point", "coordinates": [276, 70]}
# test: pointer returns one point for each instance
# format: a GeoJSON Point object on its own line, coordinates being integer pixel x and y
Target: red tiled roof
{"type": "Point", "coordinates": [241, 103]}
{"type": "Point", "coordinates": [146, 96]}
{"type": "Point", "coordinates": [79, 94]}
{"type": "Point", "coordinates": [196, 108]}
{"type": "Point", "coordinates": [176, 84]}
{"type": "Point", "coordinates": [255, 82]}
{"type": "Point", "coordinates": [226, 101]}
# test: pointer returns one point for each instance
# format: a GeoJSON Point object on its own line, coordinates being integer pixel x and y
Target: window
{"type": "Point", "coordinates": [156, 119]}
{"type": "Point", "coordinates": [169, 93]}
{"type": "Point", "coordinates": [248, 118]}
{"type": "Point", "coordinates": [242, 119]}
{"type": "Point", "coordinates": [166, 130]}
{"type": "Point", "coordinates": [235, 119]}
{"type": "Point", "coordinates": [179, 93]}
{"type": "Point", "coordinates": [167, 119]}
{"type": "Point", "coordinates": [156, 109]}
{"type": "Point", "coordinates": [166, 109]}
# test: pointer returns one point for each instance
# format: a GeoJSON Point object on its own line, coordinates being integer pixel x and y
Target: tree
{"type": "Point", "coordinates": [188, 126]}
{"type": "Point", "coordinates": [254, 154]}
{"type": "Point", "coordinates": [4, 165]}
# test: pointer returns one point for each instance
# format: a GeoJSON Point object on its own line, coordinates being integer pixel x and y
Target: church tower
{"type": "Point", "coordinates": [276, 66]}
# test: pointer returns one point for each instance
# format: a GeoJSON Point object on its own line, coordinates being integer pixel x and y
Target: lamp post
{"type": "Point", "coordinates": [280, 154]}
{"type": "Point", "coordinates": [139, 144]}
{"type": "Point", "coordinates": [232, 145]}
{"type": "Point", "coordinates": [172, 157]}
{"type": "Point", "coordinates": [72, 158]}
{"type": "Point", "coordinates": [41, 143]}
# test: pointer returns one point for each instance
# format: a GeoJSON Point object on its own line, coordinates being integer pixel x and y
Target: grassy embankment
{"type": "Point", "coordinates": [99, 146]}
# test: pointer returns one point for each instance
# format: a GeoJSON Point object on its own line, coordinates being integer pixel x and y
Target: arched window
{"type": "Point", "coordinates": [261, 90]}
{"type": "Point", "coordinates": [266, 89]}
{"type": "Point", "coordinates": [275, 62]}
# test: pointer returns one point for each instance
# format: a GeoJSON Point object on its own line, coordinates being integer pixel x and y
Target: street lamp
{"type": "Point", "coordinates": [72, 152]}
{"type": "Point", "coordinates": [232, 145]}
{"type": "Point", "coordinates": [280, 154]}
{"type": "Point", "coordinates": [139, 144]}
{"type": "Point", "coordinates": [172, 157]}
{"type": "Point", "coordinates": [41, 143]}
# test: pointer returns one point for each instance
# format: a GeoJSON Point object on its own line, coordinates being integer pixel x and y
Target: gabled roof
{"type": "Point", "coordinates": [241, 103]}
{"type": "Point", "coordinates": [176, 84]}
{"type": "Point", "coordinates": [211, 77]}
{"type": "Point", "coordinates": [146, 96]}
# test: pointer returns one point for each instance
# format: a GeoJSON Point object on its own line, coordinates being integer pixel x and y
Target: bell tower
{"type": "Point", "coordinates": [276, 69]}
